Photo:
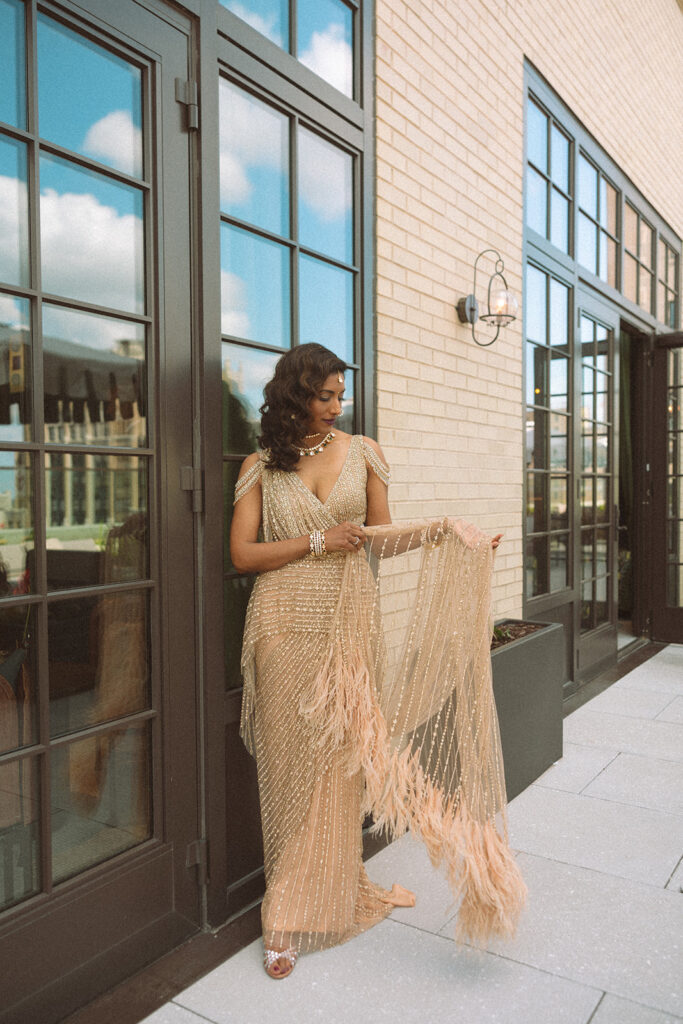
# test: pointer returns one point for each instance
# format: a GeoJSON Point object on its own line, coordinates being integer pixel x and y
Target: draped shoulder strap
{"type": "Point", "coordinates": [249, 480]}
{"type": "Point", "coordinates": [374, 461]}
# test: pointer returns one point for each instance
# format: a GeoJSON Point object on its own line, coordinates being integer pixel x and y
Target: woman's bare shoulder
{"type": "Point", "coordinates": [249, 463]}
{"type": "Point", "coordinates": [371, 443]}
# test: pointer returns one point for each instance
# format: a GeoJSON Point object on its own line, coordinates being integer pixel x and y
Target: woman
{"type": "Point", "coordinates": [341, 722]}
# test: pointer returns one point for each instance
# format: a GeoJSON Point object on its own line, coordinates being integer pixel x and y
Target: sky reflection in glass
{"type": "Point", "coordinates": [325, 197]}
{"type": "Point", "coordinates": [12, 63]}
{"type": "Point", "coordinates": [325, 41]}
{"type": "Point", "coordinates": [326, 306]}
{"type": "Point", "coordinates": [254, 160]}
{"type": "Point", "coordinates": [269, 17]}
{"type": "Point", "coordinates": [254, 287]}
{"type": "Point", "coordinates": [96, 111]}
{"type": "Point", "coordinates": [14, 267]}
{"type": "Point", "coordinates": [246, 371]}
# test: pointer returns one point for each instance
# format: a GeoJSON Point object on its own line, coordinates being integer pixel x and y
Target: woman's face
{"type": "Point", "coordinates": [326, 406]}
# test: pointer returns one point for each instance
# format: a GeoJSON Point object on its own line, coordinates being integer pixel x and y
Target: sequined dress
{"type": "Point", "coordinates": [342, 726]}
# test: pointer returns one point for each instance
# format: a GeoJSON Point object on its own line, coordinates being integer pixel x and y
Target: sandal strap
{"type": "Point", "coordinates": [271, 956]}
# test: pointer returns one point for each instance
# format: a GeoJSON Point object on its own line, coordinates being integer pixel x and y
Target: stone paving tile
{"type": "Point", "coordinates": [624, 938]}
{"type": "Point", "coordinates": [407, 861]}
{"type": "Point", "coordinates": [578, 766]}
{"type": "Point", "coordinates": [642, 781]}
{"type": "Point", "coordinates": [663, 672]}
{"type": "Point", "coordinates": [631, 735]}
{"type": "Point", "coordinates": [630, 701]}
{"type": "Point", "coordinates": [613, 1010]}
{"type": "Point", "coordinates": [174, 1014]}
{"type": "Point", "coordinates": [673, 712]}
{"type": "Point", "coordinates": [393, 973]}
{"type": "Point", "coordinates": [676, 881]}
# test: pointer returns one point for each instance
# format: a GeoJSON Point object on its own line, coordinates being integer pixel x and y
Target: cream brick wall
{"type": "Point", "coordinates": [449, 184]}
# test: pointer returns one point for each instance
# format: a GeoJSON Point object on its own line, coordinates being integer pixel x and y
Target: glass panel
{"type": "Point", "coordinates": [12, 64]}
{"type": "Point", "coordinates": [559, 516]}
{"type": "Point", "coordinates": [558, 441]}
{"type": "Point", "coordinates": [602, 588]}
{"type": "Point", "coordinates": [587, 610]}
{"type": "Point", "coordinates": [92, 237]}
{"type": "Point", "coordinates": [325, 41]}
{"type": "Point", "coordinates": [16, 523]}
{"type": "Point", "coordinates": [254, 160]}
{"type": "Point", "coordinates": [587, 553]}
{"type": "Point", "coordinates": [558, 383]}
{"type": "Point", "coordinates": [536, 439]}
{"type": "Point", "coordinates": [536, 566]}
{"type": "Point", "coordinates": [347, 419]}
{"type": "Point", "coordinates": [644, 288]}
{"type": "Point", "coordinates": [20, 868]}
{"type": "Point", "coordinates": [98, 656]}
{"type": "Point", "coordinates": [18, 674]}
{"type": "Point", "coordinates": [326, 306]}
{"type": "Point", "coordinates": [97, 519]}
{"type": "Point", "coordinates": [630, 228]}
{"type": "Point", "coordinates": [15, 368]}
{"type": "Point", "coordinates": [587, 397]}
{"type": "Point", "coordinates": [269, 17]}
{"type": "Point", "coordinates": [237, 591]}
{"type": "Point", "coordinates": [254, 287]}
{"type": "Point", "coordinates": [675, 463]}
{"type": "Point", "coordinates": [587, 457]}
{"type": "Point", "coordinates": [536, 375]}
{"type": "Point", "coordinates": [14, 265]}
{"type": "Point", "coordinates": [645, 244]}
{"type": "Point", "coordinates": [535, 306]}
{"type": "Point", "coordinates": [559, 221]}
{"type": "Point", "coordinates": [587, 334]}
{"type": "Point", "coordinates": [537, 502]}
{"type": "Point", "coordinates": [601, 397]}
{"type": "Point", "coordinates": [100, 792]}
{"type": "Point", "coordinates": [587, 500]}
{"type": "Point", "coordinates": [95, 379]}
{"type": "Point", "coordinates": [537, 137]}
{"type": "Point", "coordinates": [587, 248]}
{"type": "Point", "coordinates": [662, 297]}
{"type": "Point", "coordinates": [670, 267]}
{"type": "Point", "coordinates": [246, 371]}
{"type": "Point", "coordinates": [630, 287]}
{"type": "Point", "coordinates": [559, 313]}
{"type": "Point", "coordinates": [325, 197]}
{"type": "Point", "coordinates": [674, 585]}
{"type": "Point", "coordinates": [588, 187]}
{"type": "Point", "coordinates": [601, 499]}
{"type": "Point", "coordinates": [602, 448]}
{"type": "Point", "coordinates": [602, 558]}
{"type": "Point", "coordinates": [559, 562]}
{"type": "Point", "coordinates": [674, 507]}
{"type": "Point", "coordinates": [559, 156]}
{"type": "Point", "coordinates": [536, 202]}
{"type": "Point", "coordinates": [608, 206]}
{"type": "Point", "coordinates": [97, 112]}
{"type": "Point", "coordinates": [608, 259]}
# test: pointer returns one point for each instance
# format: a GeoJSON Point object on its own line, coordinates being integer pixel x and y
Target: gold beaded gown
{"type": "Point", "coordinates": [367, 689]}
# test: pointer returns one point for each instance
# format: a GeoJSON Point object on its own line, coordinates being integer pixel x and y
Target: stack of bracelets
{"type": "Point", "coordinates": [317, 543]}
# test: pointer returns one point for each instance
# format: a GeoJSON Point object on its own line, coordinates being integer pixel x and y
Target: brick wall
{"type": "Point", "coordinates": [449, 183]}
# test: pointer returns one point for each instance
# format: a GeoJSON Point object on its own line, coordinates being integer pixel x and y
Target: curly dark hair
{"type": "Point", "coordinates": [298, 377]}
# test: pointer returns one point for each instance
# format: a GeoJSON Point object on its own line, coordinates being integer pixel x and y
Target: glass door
{"type": "Point", "coordinates": [667, 490]}
{"type": "Point", "coordinates": [95, 534]}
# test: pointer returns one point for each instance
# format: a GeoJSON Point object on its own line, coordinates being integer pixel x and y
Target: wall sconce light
{"type": "Point", "coordinates": [501, 305]}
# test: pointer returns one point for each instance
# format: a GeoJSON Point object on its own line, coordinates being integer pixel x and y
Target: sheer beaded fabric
{"type": "Point", "coordinates": [367, 689]}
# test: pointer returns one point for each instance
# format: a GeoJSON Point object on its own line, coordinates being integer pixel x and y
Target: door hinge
{"type": "Point", "coordinates": [198, 856]}
{"type": "Point", "coordinates": [191, 480]}
{"type": "Point", "coordinates": [186, 93]}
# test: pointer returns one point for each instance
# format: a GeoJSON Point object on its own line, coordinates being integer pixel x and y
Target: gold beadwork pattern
{"type": "Point", "coordinates": [346, 716]}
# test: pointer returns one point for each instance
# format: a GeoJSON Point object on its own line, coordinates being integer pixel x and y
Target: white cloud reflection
{"type": "Point", "coordinates": [325, 177]}
{"type": "Point", "coordinates": [116, 141]}
{"type": "Point", "coordinates": [266, 26]}
{"type": "Point", "coordinates": [234, 306]}
{"type": "Point", "coordinates": [252, 135]}
{"type": "Point", "coordinates": [330, 56]}
{"type": "Point", "coordinates": [11, 314]}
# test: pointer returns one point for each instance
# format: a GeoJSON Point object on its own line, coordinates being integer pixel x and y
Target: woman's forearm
{"type": "Point", "coordinates": [261, 556]}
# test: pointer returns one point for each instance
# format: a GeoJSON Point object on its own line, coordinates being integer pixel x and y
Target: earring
{"type": "Point", "coordinates": [292, 417]}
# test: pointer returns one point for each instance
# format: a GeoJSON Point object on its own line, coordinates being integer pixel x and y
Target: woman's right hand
{"type": "Point", "coordinates": [345, 537]}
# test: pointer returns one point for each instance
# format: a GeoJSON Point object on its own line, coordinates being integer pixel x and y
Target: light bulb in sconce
{"type": "Point", "coordinates": [501, 305]}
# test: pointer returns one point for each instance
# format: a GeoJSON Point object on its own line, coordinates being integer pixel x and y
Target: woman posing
{"type": "Point", "coordinates": [338, 727]}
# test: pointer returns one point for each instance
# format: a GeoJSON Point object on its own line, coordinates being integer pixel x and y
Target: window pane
{"type": "Point", "coordinates": [602, 558]}
{"type": "Point", "coordinates": [325, 197]}
{"type": "Point", "coordinates": [601, 499]}
{"type": "Point", "coordinates": [537, 502]}
{"type": "Point", "coordinates": [587, 500]}
{"type": "Point", "coordinates": [535, 305]}
{"type": "Point", "coordinates": [269, 17]}
{"type": "Point", "coordinates": [254, 287]}
{"type": "Point", "coordinates": [644, 288]}
{"type": "Point", "coordinates": [246, 371]}
{"type": "Point", "coordinates": [588, 187]}
{"type": "Point", "coordinates": [587, 253]}
{"type": "Point", "coordinates": [325, 41]}
{"type": "Point", "coordinates": [559, 221]}
{"type": "Point", "coordinates": [630, 288]}
{"type": "Point", "coordinates": [608, 206]}
{"type": "Point", "coordinates": [536, 375]}
{"type": "Point", "coordinates": [254, 160]}
{"type": "Point", "coordinates": [95, 376]}
{"type": "Point", "coordinates": [18, 675]}
{"type": "Point", "coordinates": [100, 789]}
{"type": "Point", "coordinates": [91, 230]}
{"type": "Point", "coordinates": [14, 265]}
{"type": "Point", "coordinates": [16, 524]}
{"type": "Point", "coordinates": [587, 606]}
{"type": "Point", "coordinates": [587, 553]}
{"type": "Point", "coordinates": [587, 456]}
{"type": "Point", "coordinates": [536, 202]}
{"type": "Point", "coordinates": [602, 448]}
{"type": "Point", "coordinates": [587, 396]}
{"type": "Point", "coordinates": [601, 397]}
{"type": "Point", "coordinates": [537, 137]}
{"type": "Point", "coordinates": [559, 562]}
{"type": "Point", "coordinates": [536, 566]}
{"type": "Point", "coordinates": [20, 827]}
{"type": "Point", "coordinates": [98, 111]}
{"type": "Point", "coordinates": [559, 154]}
{"type": "Point", "coordinates": [12, 63]}
{"type": "Point", "coordinates": [347, 419]}
{"type": "Point", "coordinates": [15, 369]}
{"type": "Point", "coordinates": [326, 306]}
{"type": "Point", "coordinates": [558, 383]}
{"type": "Point", "coordinates": [536, 439]}
{"type": "Point", "coordinates": [559, 313]}
{"type": "Point", "coordinates": [558, 441]}
{"type": "Point", "coordinates": [608, 259]}
{"type": "Point", "coordinates": [645, 244]}
{"type": "Point", "coordinates": [630, 228]}
{"type": "Point", "coordinates": [559, 517]}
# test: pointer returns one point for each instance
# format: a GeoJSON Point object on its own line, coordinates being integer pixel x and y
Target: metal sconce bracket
{"type": "Point", "coordinates": [505, 305]}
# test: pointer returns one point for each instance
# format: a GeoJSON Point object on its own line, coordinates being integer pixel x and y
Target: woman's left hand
{"type": "Point", "coordinates": [496, 541]}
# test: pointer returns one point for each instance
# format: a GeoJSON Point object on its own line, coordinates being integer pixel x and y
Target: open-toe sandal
{"type": "Point", "coordinates": [271, 958]}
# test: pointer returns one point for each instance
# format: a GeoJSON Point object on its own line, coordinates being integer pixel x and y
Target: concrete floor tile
{"type": "Point", "coordinates": [642, 781]}
{"type": "Point", "coordinates": [174, 1014]}
{"type": "Point", "coordinates": [578, 766]}
{"type": "Point", "coordinates": [613, 1010]}
{"type": "Point", "coordinates": [664, 672]}
{"type": "Point", "coordinates": [629, 842]}
{"type": "Point", "coordinates": [407, 861]}
{"type": "Point", "coordinates": [631, 735]}
{"type": "Point", "coordinates": [673, 712]}
{"type": "Point", "coordinates": [392, 973]}
{"type": "Point", "coordinates": [630, 701]}
{"type": "Point", "coordinates": [622, 937]}
{"type": "Point", "coordinates": [675, 883]}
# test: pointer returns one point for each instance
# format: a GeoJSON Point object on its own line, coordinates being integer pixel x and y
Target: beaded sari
{"type": "Point", "coordinates": [367, 690]}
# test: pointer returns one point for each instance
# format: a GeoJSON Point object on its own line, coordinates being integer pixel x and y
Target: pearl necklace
{"type": "Point", "coordinates": [316, 447]}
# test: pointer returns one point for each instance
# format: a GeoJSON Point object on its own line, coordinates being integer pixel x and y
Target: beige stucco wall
{"type": "Point", "coordinates": [449, 184]}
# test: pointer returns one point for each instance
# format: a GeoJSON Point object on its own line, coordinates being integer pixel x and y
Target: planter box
{"type": "Point", "coordinates": [528, 676]}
